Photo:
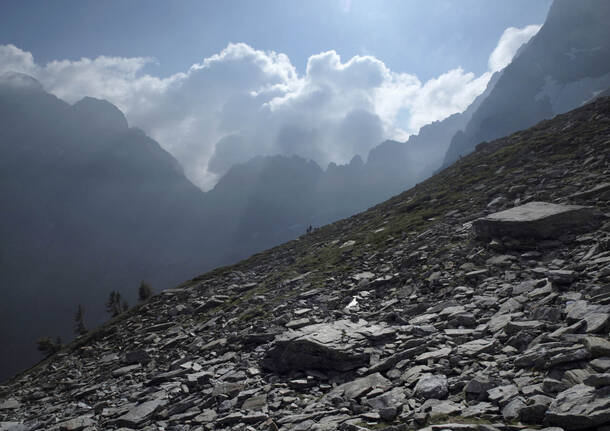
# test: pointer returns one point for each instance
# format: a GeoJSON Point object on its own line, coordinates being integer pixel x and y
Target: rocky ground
{"type": "Point", "coordinates": [437, 308]}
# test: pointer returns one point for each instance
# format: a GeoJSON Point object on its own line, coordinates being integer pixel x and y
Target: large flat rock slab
{"type": "Point", "coordinates": [537, 220]}
{"type": "Point", "coordinates": [580, 407]}
{"type": "Point", "coordinates": [334, 346]}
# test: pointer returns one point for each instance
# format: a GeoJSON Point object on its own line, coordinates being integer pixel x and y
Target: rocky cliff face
{"type": "Point", "coordinates": [566, 64]}
{"type": "Point", "coordinates": [398, 318]}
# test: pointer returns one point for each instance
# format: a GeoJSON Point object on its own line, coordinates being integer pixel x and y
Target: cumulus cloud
{"type": "Point", "coordinates": [12, 59]}
{"type": "Point", "coordinates": [511, 40]}
{"type": "Point", "coordinates": [243, 102]}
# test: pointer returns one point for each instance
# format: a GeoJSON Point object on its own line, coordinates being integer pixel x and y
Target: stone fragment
{"type": "Point", "coordinates": [512, 410]}
{"type": "Point", "coordinates": [534, 410]}
{"type": "Point", "coordinates": [391, 361]}
{"type": "Point", "coordinates": [432, 386]}
{"type": "Point", "coordinates": [10, 404]}
{"type": "Point", "coordinates": [413, 374]}
{"type": "Point", "coordinates": [575, 376]}
{"type": "Point", "coordinates": [298, 323]}
{"type": "Point", "coordinates": [362, 386]}
{"type": "Point", "coordinates": [170, 375]}
{"type": "Point", "coordinates": [599, 191]}
{"type": "Point", "coordinates": [480, 409]}
{"type": "Point", "coordinates": [435, 354]}
{"type": "Point", "coordinates": [140, 413]}
{"type": "Point", "coordinates": [498, 322]}
{"type": "Point", "coordinates": [444, 409]}
{"type": "Point", "coordinates": [394, 398]}
{"type": "Point", "coordinates": [537, 220]}
{"type": "Point", "coordinates": [206, 416]}
{"type": "Point", "coordinates": [227, 389]}
{"type": "Point", "coordinates": [476, 347]}
{"type": "Point", "coordinates": [561, 276]}
{"type": "Point", "coordinates": [76, 424]}
{"type": "Point", "coordinates": [513, 327]}
{"type": "Point", "coordinates": [601, 365]}
{"type": "Point", "coordinates": [140, 356]}
{"type": "Point", "coordinates": [597, 380]}
{"type": "Point", "coordinates": [257, 402]}
{"type": "Point", "coordinates": [230, 419]}
{"type": "Point", "coordinates": [597, 317]}
{"type": "Point", "coordinates": [580, 407]}
{"type": "Point", "coordinates": [503, 394]}
{"type": "Point", "coordinates": [125, 370]}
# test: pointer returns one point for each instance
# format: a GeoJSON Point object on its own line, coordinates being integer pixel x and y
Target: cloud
{"type": "Point", "coordinates": [12, 59]}
{"type": "Point", "coordinates": [243, 102]}
{"type": "Point", "coordinates": [510, 42]}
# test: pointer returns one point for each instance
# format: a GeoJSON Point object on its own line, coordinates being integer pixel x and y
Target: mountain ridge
{"type": "Point", "coordinates": [559, 69]}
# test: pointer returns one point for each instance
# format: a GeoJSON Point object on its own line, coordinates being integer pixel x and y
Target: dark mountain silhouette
{"type": "Point", "coordinates": [563, 66]}
{"type": "Point", "coordinates": [89, 206]}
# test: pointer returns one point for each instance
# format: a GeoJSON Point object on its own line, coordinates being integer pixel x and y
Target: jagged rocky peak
{"type": "Point", "coordinates": [100, 114]}
{"type": "Point", "coordinates": [20, 81]}
{"type": "Point", "coordinates": [477, 300]}
{"type": "Point", "coordinates": [566, 64]}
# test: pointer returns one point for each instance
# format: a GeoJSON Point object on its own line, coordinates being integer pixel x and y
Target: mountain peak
{"type": "Point", "coordinates": [20, 81]}
{"type": "Point", "coordinates": [101, 114]}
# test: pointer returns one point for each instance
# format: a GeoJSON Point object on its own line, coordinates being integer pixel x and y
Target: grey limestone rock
{"type": "Point", "coordinates": [537, 220]}
{"type": "Point", "coordinates": [432, 386]}
{"type": "Point", "coordinates": [139, 413]}
{"type": "Point", "coordinates": [322, 346]}
{"type": "Point", "coordinates": [580, 407]}
{"type": "Point", "coordinates": [362, 386]}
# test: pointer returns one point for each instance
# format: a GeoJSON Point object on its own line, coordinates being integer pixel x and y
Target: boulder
{"type": "Point", "coordinates": [537, 220]}
{"type": "Point", "coordinates": [324, 346]}
{"type": "Point", "coordinates": [432, 386]}
{"type": "Point", "coordinates": [580, 407]}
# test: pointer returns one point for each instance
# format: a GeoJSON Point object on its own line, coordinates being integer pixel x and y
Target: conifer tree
{"type": "Point", "coordinates": [144, 291]}
{"type": "Point", "coordinates": [48, 347]}
{"type": "Point", "coordinates": [114, 306]}
{"type": "Point", "coordinates": [79, 322]}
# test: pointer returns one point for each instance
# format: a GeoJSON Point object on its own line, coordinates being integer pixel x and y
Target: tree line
{"type": "Point", "coordinates": [115, 306]}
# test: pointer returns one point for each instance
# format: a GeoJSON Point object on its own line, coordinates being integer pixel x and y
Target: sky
{"type": "Point", "coordinates": [218, 82]}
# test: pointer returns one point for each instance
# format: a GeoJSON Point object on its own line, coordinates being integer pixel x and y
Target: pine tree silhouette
{"type": "Point", "coordinates": [79, 323]}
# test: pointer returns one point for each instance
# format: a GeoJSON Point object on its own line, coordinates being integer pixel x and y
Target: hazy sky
{"type": "Point", "coordinates": [217, 82]}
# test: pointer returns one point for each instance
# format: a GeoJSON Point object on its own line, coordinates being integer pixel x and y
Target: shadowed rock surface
{"type": "Point", "coordinates": [336, 346]}
{"type": "Point", "coordinates": [538, 220]}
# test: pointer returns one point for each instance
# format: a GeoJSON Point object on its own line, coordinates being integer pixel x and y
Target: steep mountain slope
{"type": "Point", "coordinates": [89, 206]}
{"type": "Point", "coordinates": [566, 64]}
{"type": "Point", "coordinates": [88, 194]}
{"type": "Point", "coordinates": [392, 319]}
